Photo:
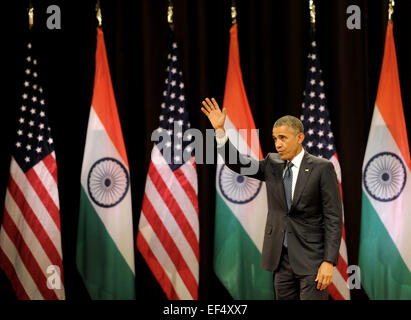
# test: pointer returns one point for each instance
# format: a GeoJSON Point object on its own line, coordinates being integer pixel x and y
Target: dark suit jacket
{"type": "Point", "coordinates": [314, 221]}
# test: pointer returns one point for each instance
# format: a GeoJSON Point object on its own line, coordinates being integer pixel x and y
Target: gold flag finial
{"type": "Point", "coordinates": [312, 12]}
{"type": "Point", "coordinates": [170, 13]}
{"type": "Point", "coordinates": [233, 12]}
{"type": "Point", "coordinates": [98, 15]}
{"type": "Point", "coordinates": [31, 15]}
{"type": "Point", "coordinates": [391, 5]}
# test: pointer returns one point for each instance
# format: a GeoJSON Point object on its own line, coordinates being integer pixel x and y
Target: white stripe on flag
{"type": "Point", "coordinates": [26, 233]}
{"type": "Point", "coordinates": [48, 181]}
{"type": "Point", "coordinates": [337, 167]}
{"type": "Point", "coordinates": [164, 260]}
{"type": "Point", "coordinates": [29, 238]}
{"type": "Point", "coordinates": [190, 173]}
{"type": "Point", "coordinates": [36, 205]}
{"type": "Point", "coordinates": [343, 250]}
{"type": "Point", "coordinates": [172, 227]}
{"type": "Point", "coordinates": [118, 219]}
{"type": "Point", "coordinates": [171, 181]}
{"type": "Point", "coordinates": [238, 140]}
{"type": "Point", "coordinates": [395, 214]}
{"type": "Point", "coordinates": [22, 273]}
{"type": "Point", "coordinates": [341, 285]}
{"type": "Point", "coordinates": [252, 215]}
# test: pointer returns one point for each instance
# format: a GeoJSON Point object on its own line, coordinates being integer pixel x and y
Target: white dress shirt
{"type": "Point", "coordinates": [220, 137]}
{"type": "Point", "coordinates": [295, 169]}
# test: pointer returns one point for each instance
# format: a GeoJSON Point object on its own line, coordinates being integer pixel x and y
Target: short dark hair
{"type": "Point", "coordinates": [291, 122]}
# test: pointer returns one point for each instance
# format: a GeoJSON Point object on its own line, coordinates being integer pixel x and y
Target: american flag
{"type": "Point", "coordinates": [168, 234]}
{"type": "Point", "coordinates": [30, 236]}
{"type": "Point", "coordinates": [319, 141]}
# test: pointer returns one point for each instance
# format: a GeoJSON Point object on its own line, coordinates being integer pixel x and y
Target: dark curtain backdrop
{"type": "Point", "coordinates": [273, 37]}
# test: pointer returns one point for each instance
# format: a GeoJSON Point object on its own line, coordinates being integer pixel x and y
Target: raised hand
{"type": "Point", "coordinates": [214, 114]}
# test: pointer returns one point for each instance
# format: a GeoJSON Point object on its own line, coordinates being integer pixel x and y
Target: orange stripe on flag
{"type": "Point", "coordinates": [104, 102]}
{"type": "Point", "coordinates": [235, 97]}
{"type": "Point", "coordinates": [389, 100]}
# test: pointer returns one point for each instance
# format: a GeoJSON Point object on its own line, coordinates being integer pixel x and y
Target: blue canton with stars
{"type": "Point", "coordinates": [33, 139]}
{"type": "Point", "coordinates": [319, 139]}
{"type": "Point", "coordinates": [174, 116]}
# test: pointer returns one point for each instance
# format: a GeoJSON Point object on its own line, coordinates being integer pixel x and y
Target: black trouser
{"type": "Point", "coordinates": [290, 286]}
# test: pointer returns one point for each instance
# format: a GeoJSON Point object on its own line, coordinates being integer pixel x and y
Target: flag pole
{"type": "Point", "coordinates": [98, 14]}
{"type": "Point", "coordinates": [170, 14]}
{"type": "Point", "coordinates": [311, 5]}
{"type": "Point", "coordinates": [233, 12]}
{"type": "Point", "coordinates": [391, 4]}
{"type": "Point", "coordinates": [31, 14]}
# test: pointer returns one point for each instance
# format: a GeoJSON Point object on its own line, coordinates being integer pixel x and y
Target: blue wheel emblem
{"type": "Point", "coordinates": [236, 188]}
{"type": "Point", "coordinates": [385, 176]}
{"type": "Point", "coordinates": [107, 182]}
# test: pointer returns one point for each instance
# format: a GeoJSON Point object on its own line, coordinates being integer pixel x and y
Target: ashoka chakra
{"type": "Point", "coordinates": [385, 176]}
{"type": "Point", "coordinates": [107, 182]}
{"type": "Point", "coordinates": [237, 188]}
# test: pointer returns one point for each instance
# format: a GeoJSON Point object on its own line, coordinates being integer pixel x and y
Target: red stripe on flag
{"type": "Point", "coordinates": [342, 267]}
{"type": "Point", "coordinates": [156, 268]}
{"type": "Point", "coordinates": [27, 257]}
{"type": "Point", "coordinates": [34, 223]}
{"type": "Point", "coordinates": [51, 166]}
{"type": "Point", "coordinates": [334, 293]}
{"type": "Point", "coordinates": [44, 196]}
{"type": "Point", "coordinates": [341, 192]}
{"type": "Point", "coordinates": [342, 263]}
{"type": "Point", "coordinates": [175, 209]}
{"type": "Point", "coordinates": [343, 232]}
{"type": "Point", "coordinates": [169, 245]}
{"type": "Point", "coordinates": [10, 272]}
{"type": "Point", "coordinates": [188, 188]}
{"type": "Point", "coordinates": [193, 163]}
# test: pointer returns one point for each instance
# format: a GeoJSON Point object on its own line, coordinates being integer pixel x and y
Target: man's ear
{"type": "Point", "coordinates": [301, 137]}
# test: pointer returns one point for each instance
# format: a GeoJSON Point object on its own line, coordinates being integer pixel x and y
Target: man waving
{"type": "Point", "coordinates": [304, 221]}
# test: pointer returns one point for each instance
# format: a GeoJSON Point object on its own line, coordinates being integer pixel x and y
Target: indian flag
{"type": "Point", "coordinates": [105, 251]}
{"type": "Point", "coordinates": [385, 244]}
{"type": "Point", "coordinates": [241, 202]}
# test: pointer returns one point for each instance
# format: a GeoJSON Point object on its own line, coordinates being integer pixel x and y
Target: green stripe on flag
{"type": "Point", "coordinates": [384, 274]}
{"type": "Point", "coordinates": [237, 261]}
{"type": "Point", "coordinates": [104, 270]}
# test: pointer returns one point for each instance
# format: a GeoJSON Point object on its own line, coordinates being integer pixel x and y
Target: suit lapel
{"type": "Point", "coordinates": [302, 178]}
{"type": "Point", "coordinates": [278, 169]}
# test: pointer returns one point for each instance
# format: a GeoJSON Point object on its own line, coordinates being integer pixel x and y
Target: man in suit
{"type": "Point", "coordinates": [304, 221]}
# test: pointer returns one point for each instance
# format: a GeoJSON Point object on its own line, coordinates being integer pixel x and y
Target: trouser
{"type": "Point", "coordinates": [290, 286]}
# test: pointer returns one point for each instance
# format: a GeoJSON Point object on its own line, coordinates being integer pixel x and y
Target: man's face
{"type": "Point", "coordinates": [287, 142]}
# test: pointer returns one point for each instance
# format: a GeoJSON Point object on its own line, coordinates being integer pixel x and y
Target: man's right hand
{"type": "Point", "coordinates": [214, 114]}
